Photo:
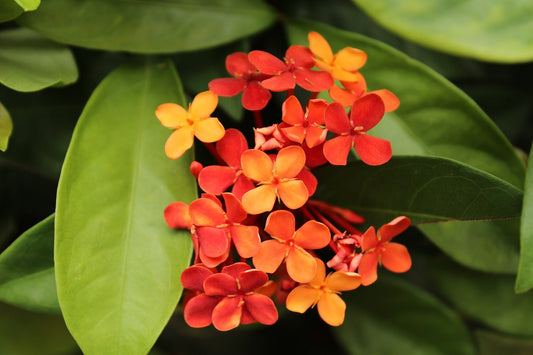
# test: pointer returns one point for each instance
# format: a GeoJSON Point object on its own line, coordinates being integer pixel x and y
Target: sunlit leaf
{"type": "Point", "coordinates": [117, 263]}
{"type": "Point", "coordinates": [31, 62]}
{"type": "Point", "coordinates": [6, 127]}
{"type": "Point", "coordinates": [394, 317]}
{"type": "Point", "coordinates": [147, 26]}
{"type": "Point", "coordinates": [524, 280]}
{"type": "Point", "coordinates": [497, 30]}
{"type": "Point", "coordinates": [485, 297]}
{"type": "Point", "coordinates": [29, 333]}
{"type": "Point", "coordinates": [27, 270]}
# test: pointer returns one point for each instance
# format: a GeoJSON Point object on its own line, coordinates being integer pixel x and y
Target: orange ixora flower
{"type": "Point", "coordinates": [196, 121]}
{"type": "Point", "coordinates": [290, 245]}
{"type": "Point", "coordinates": [276, 179]}
{"type": "Point", "coordinates": [323, 291]}
{"type": "Point", "coordinates": [343, 65]}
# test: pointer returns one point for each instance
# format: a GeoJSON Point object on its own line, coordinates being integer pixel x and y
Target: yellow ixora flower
{"type": "Point", "coordinates": [194, 122]}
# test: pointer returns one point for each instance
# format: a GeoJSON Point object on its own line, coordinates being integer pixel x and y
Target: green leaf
{"type": "Point", "coordinates": [434, 117]}
{"type": "Point", "coordinates": [28, 333]}
{"type": "Point", "coordinates": [27, 270]}
{"type": "Point", "coordinates": [28, 5]}
{"type": "Point", "coordinates": [118, 265]}
{"type": "Point", "coordinates": [393, 316]}
{"type": "Point", "coordinates": [485, 297]}
{"type": "Point", "coordinates": [430, 189]}
{"type": "Point", "coordinates": [490, 343]}
{"type": "Point", "coordinates": [524, 280]}
{"type": "Point", "coordinates": [498, 30]}
{"type": "Point", "coordinates": [146, 26]}
{"type": "Point", "coordinates": [10, 9]}
{"type": "Point", "coordinates": [6, 127]}
{"type": "Point", "coordinates": [31, 62]}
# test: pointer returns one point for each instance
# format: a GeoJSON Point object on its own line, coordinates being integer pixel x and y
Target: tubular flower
{"type": "Point", "coordinates": [365, 114]}
{"type": "Point", "coordinates": [294, 70]}
{"type": "Point", "coordinates": [344, 65]}
{"type": "Point", "coordinates": [377, 249]}
{"type": "Point", "coordinates": [246, 79]}
{"type": "Point", "coordinates": [214, 230]}
{"type": "Point", "coordinates": [323, 291]}
{"type": "Point", "coordinates": [239, 303]}
{"type": "Point", "coordinates": [354, 90]}
{"type": "Point", "coordinates": [195, 121]}
{"type": "Point", "coordinates": [216, 179]}
{"type": "Point", "coordinates": [276, 179]}
{"type": "Point", "coordinates": [290, 245]}
{"type": "Point", "coordinates": [298, 126]}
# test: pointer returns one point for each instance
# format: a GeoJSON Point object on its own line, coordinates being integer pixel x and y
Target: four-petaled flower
{"type": "Point", "coordinates": [276, 179]}
{"type": "Point", "coordinates": [377, 249]}
{"type": "Point", "coordinates": [290, 245]}
{"type": "Point", "coordinates": [246, 79]}
{"type": "Point", "coordinates": [196, 121]}
{"type": "Point", "coordinates": [323, 291]}
{"type": "Point", "coordinates": [294, 70]}
{"type": "Point", "coordinates": [298, 126]}
{"type": "Point", "coordinates": [351, 131]}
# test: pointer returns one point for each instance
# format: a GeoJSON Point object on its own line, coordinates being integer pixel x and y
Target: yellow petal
{"type": "Point", "coordinates": [259, 200]}
{"type": "Point", "coordinates": [209, 130]}
{"type": "Point", "coordinates": [301, 298]}
{"type": "Point", "coordinates": [331, 309]}
{"type": "Point", "coordinates": [343, 281]}
{"type": "Point", "coordinates": [179, 142]}
{"type": "Point", "coordinates": [350, 59]}
{"type": "Point", "coordinates": [301, 266]}
{"type": "Point", "coordinates": [320, 47]}
{"type": "Point", "coordinates": [256, 165]}
{"type": "Point", "coordinates": [203, 104]}
{"type": "Point", "coordinates": [172, 115]}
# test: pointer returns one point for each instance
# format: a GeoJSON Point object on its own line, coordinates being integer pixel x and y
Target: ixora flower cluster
{"type": "Point", "coordinates": [259, 238]}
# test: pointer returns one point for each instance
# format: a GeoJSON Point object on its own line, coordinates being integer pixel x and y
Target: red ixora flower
{"type": "Point", "coordinates": [294, 70]}
{"type": "Point", "coordinates": [351, 131]}
{"type": "Point", "coordinates": [299, 126]}
{"type": "Point", "coordinates": [246, 79]}
{"type": "Point", "coordinates": [377, 249]}
{"type": "Point", "coordinates": [228, 298]}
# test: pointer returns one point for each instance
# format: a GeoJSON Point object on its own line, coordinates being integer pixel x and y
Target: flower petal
{"type": "Point", "coordinates": [179, 142]}
{"type": "Point", "coordinates": [199, 309]}
{"type": "Point", "coordinates": [342, 96]}
{"type": "Point", "coordinates": [206, 212]}
{"type": "Point", "coordinates": [368, 268]}
{"type": "Point", "coordinates": [267, 63]}
{"type": "Point", "coordinates": [367, 111]}
{"type": "Point", "coordinates": [193, 277]}
{"type": "Point", "coordinates": [252, 279]}
{"type": "Point", "coordinates": [301, 266]}
{"type": "Point", "coordinates": [220, 285]}
{"type": "Point", "coordinates": [213, 241]}
{"type": "Point", "coordinates": [336, 119]}
{"type": "Point", "coordinates": [242, 186]}
{"type": "Point", "coordinates": [209, 130]}
{"type": "Point", "coordinates": [259, 200]}
{"type": "Point", "coordinates": [320, 47]}
{"type": "Point", "coordinates": [390, 100]}
{"type": "Point", "coordinates": [292, 112]}
{"type": "Point", "coordinates": [227, 87]}
{"type": "Point", "coordinates": [336, 150]}
{"type": "Point", "coordinates": [309, 180]}
{"type": "Point", "coordinates": [315, 136]}
{"type": "Point", "coordinates": [227, 313]}
{"type": "Point", "coordinates": [257, 165]}
{"type": "Point", "coordinates": [312, 235]}
{"type": "Point", "coordinates": [246, 240]}
{"type": "Point", "coordinates": [300, 56]}
{"type": "Point", "coordinates": [231, 147]}
{"type": "Point", "coordinates": [372, 150]}
{"type": "Point", "coordinates": [302, 298]}
{"type": "Point", "coordinates": [282, 82]}
{"type": "Point", "coordinates": [172, 115]}
{"type": "Point", "coordinates": [350, 59]}
{"type": "Point", "coordinates": [316, 110]}
{"type": "Point", "coordinates": [331, 309]}
{"type": "Point", "coordinates": [369, 239]}
{"type": "Point", "coordinates": [255, 97]}
{"type": "Point", "coordinates": [393, 228]}
{"type": "Point", "coordinates": [177, 215]}
{"type": "Point", "coordinates": [395, 257]}
{"type": "Point", "coordinates": [343, 281]}
{"type": "Point", "coordinates": [216, 179]}
{"type": "Point", "coordinates": [313, 80]}
{"type": "Point", "coordinates": [294, 133]}
{"type": "Point", "coordinates": [281, 224]}
{"type": "Point", "coordinates": [289, 162]}
{"type": "Point", "coordinates": [238, 65]}
{"type": "Point", "coordinates": [261, 308]}
{"type": "Point", "coordinates": [293, 193]}
{"type": "Point", "coordinates": [234, 270]}
{"type": "Point", "coordinates": [203, 104]}
{"type": "Point", "coordinates": [235, 212]}
{"type": "Point", "coordinates": [270, 256]}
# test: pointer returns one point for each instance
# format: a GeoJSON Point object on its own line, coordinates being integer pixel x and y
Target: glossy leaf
{"type": "Point", "coordinates": [498, 30]}
{"type": "Point", "coordinates": [117, 263]}
{"type": "Point", "coordinates": [31, 62]}
{"type": "Point", "coordinates": [147, 26]}
{"type": "Point", "coordinates": [485, 297]}
{"type": "Point", "coordinates": [28, 333]}
{"type": "Point", "coordinates": [429, 189]}
{"type": "Point", "coordinates": [6, 127]}
{"type": "Point", "coordinates": [393, 316]}
{"type": "Point", "coordinates": [434, 118]}
{"type": "Point", "coordinates": [27, 270]}
{"type": "Point", "coordinates": [524, 280]}
{"type": "Point", "coordinates": [10, 9]}
{"type": "Point", "coordinates": [28, 5]}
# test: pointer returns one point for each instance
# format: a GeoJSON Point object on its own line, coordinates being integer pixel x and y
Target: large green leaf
{"type": "Point", "coordinates": [29, 333]}
{"type": "Point", "coordinates": [147, 26]}
{"type": "Point", "coordinates": [6, 127]}
{"type": "Point", "coordinates": [485, 297]}
{"type": "Point", "coordinates": [524, 280]}
{"type": "Point", "coordinates": [434, 117]}
{"type": "Point", "coordinates": [496, 30]}
{"type": "Point", "coordinates": [28, 5]}
{"type": "Point", "coordinates": [10, 9]}
{"type": "Point", "coordinates": [31, 62]}
{"type": "Point", "coordinates": [27, 270]}
{"type": "Point", "coordinates": [393, 316]}
{"type": "Point", "coordinates": [118, 265]}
